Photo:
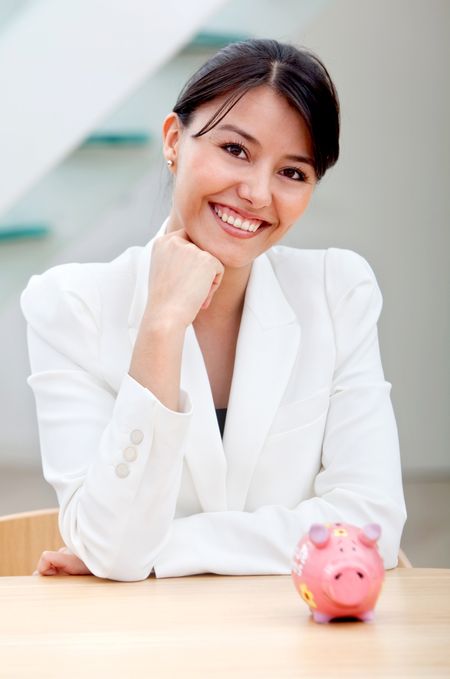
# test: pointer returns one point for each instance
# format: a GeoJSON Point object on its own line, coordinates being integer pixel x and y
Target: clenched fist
{"type": "Point", "coordinates": [60, 562]}
{"type": "Point", "coordinates": [183, 279]}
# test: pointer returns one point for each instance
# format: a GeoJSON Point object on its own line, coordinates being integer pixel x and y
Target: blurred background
{"type": "Point", "coordinates": [84, 87]}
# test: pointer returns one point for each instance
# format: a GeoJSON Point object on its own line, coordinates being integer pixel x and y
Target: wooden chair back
{"type": "Point", "coordinates": [403, 561]}
{"type": "Point", "coordinates": [23, 537]}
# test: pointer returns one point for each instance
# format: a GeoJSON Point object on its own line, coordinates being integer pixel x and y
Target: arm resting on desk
{"type": "Point", "coordinates": [263, 542]}
{"type": "Point", "coordinates": [87, 431]}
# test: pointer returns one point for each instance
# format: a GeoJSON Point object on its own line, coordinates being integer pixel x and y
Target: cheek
{"type": "Point", "coordinates": [204, 176]}
{"type": "Point", "coordinates": [292, 207]}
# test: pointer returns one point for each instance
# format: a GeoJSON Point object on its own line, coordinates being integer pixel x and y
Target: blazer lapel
{"type": "Point", "coordinates": [267, 346]}
{"type": "Point", "coordinates": [204, 454]}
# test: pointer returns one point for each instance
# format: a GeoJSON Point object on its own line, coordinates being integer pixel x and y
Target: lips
{"type": "Point", "coordinates": [237, 219]}
{"type": "Point", "coordinates": [234, 231]}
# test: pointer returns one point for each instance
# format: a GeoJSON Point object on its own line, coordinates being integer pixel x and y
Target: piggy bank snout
{"type": "Point", "coordinates": [347, 585]}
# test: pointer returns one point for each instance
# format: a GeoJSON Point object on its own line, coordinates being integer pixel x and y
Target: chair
{"type": "Point", "coordinates": [403, 561]}
{"type": "Point", "coordinates": [23, 537]}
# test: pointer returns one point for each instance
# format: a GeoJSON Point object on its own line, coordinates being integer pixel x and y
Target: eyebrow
{"type": "Point", "coordinates": [253, 140]}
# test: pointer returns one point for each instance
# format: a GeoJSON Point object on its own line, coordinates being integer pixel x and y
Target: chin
{"type": "Point", "coordinates": [231, 260]}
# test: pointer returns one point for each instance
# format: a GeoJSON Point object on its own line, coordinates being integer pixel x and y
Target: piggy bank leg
{"type": "Point", "coordinates": [320, 617]}
{"type": "Point", "coordinates": [368, 616]}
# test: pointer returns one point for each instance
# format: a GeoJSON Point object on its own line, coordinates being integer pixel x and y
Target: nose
{"type": "Point", "coordinates": [256, 188]}
{"type": "Point", "coordinates": [348, 586]}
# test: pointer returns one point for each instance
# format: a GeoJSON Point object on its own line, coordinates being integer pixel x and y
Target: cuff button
{"type": "Point", "coordinates": [130, 454]}
{"type": "Point", "coordinates": [122, 470]}
{"type": "Point", "coordinates": [136, 436]}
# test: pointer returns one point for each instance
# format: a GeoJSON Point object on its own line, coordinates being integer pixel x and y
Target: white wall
{"type": "Point", "coordinates": [388, 197]}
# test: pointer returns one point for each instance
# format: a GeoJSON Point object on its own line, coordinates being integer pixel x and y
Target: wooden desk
{"type": "Point", "coordinates": [211, 626]}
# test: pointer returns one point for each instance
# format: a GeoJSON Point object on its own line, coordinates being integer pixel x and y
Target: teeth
{"type": "Point", "coordinates": [245, 225]}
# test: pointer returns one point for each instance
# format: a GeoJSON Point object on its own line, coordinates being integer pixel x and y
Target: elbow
{"type": "Point", "coordinates": [126, 575]}
{"type": "Point", "coordinates": [109, 567]}
{"type": "Point", "coordinates": [109, 564]}
{"type": "Point", "coordinates": [123, 570]}
{"type": "Point", "coordinates": [109, 560]}
{"type": "Point", "coordinates": [118, 555]}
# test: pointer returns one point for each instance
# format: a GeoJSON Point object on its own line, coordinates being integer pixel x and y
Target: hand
{"type": "Point", "coordinates": [62, 561]}
{"type": "Point", "coordinates": [183, 279]}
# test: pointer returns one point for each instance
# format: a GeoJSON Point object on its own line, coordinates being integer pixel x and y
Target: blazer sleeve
{"type": "Point", "coordinates": [360, 477]}
{"type": "Point", "coordinates": [114, 460]}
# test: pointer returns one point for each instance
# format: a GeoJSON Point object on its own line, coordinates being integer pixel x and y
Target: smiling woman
{"type": "Point", "coordinates": [204, 399]}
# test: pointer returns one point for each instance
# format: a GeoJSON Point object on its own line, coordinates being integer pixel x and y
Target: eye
{"type": "Point", "coordinates": [236, 150]}
{"type": "Point", "coordinates": [294, 173]}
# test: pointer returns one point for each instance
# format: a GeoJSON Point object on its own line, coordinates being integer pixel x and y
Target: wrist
{"type": "Point", "coordinates": [161, 326]}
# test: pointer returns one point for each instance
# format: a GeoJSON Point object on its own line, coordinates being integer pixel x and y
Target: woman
{"type": "Point", "coordinates": [136, 363]}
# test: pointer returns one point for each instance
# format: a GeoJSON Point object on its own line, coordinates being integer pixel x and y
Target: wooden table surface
{"type": "Point", "coordinates": [216, 626]}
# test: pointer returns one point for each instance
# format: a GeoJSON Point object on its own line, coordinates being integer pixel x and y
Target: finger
{"type": "Point", "coordinates": [46, 564]}
{"type": "Point", "coordinates": [179, 233]}
{"type": "Point", "coordinates": [44, 561]}
{"type": "Point", "coordinates": [213, 289]}
{"type": "Point", "coordinates": [49, 571]}
{"type": "Point", "coordinates": [71, 564]}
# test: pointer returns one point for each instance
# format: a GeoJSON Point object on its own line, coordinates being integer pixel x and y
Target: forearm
{"type": "Point", "coordinates": [156, 359]}
{"type": "Point", "coordinates": [263, 542]}
{"type": "Point", "coordinates": [115, 515]}
{"type": "Point", "coordinates": [182, 278]}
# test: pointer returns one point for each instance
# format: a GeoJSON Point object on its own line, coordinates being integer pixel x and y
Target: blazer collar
{"type": "Point", "coordinates": [267, 346]}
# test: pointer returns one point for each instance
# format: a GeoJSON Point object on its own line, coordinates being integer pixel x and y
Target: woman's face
{"type": "Point", "coordinates": [241, 186]}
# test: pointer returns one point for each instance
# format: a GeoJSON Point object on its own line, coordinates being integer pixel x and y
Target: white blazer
{"type": "Point", "coordinates": [310, 433]}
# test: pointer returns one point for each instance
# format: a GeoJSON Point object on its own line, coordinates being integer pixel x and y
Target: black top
{"type": "Point", "coordinates": [221, 417]}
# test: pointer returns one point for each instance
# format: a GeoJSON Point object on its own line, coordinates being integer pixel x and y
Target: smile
{"type": "Point", "coordinates": [230, 216]}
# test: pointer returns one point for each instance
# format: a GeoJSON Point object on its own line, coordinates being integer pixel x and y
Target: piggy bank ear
{"type": "Point", "coordinates": [319, 535]}
{"type": "Point", "coordinates": [370, 534]}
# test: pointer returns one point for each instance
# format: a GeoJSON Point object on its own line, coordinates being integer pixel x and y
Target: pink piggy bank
{"type": "Point", "coordinates": [338, 571]}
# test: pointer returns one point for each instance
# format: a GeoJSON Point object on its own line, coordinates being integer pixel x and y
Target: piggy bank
{"type": "Point", "coordinates": [338, 571]}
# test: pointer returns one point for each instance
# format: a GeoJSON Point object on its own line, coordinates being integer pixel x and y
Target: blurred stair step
{"type": "Point", "coordinates": [23, 231]}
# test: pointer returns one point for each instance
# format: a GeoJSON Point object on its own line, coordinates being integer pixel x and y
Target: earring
{"type": "Point", "coordinates": [169, 162]}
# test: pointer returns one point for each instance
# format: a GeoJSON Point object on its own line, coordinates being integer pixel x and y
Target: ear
{"type": "Point", "coordinates": [369, 534]}
{"type": "Point", "coordinates": [171, 133]}
{"type": "Point", "coordinates": [319, 535]}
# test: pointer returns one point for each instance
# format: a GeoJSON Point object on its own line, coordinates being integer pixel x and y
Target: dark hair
{"type": "Point", "coordinates": [296, 74]}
